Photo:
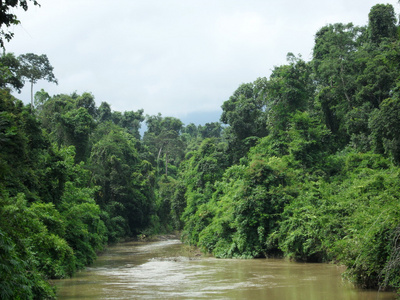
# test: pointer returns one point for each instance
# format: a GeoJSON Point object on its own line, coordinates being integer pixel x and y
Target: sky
{"type": "Point", "coordinates": [180, 58]}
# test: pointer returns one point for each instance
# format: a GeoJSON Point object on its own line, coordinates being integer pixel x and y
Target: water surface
{"type": "Point", "coordinates": [167, 270]}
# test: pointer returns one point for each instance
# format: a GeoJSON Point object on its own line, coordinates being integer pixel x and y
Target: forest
{"type": "Point", "coordinates": [303, 165]}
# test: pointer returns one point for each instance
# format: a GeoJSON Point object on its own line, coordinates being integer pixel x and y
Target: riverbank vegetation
{"type": "Point", "coordinates": [304, 164]}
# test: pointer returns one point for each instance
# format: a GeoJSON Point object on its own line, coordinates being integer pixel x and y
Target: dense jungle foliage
{"type": "Point", "coordinates": [304, 164]}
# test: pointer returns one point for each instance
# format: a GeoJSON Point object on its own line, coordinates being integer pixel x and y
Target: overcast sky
{"type": "Point", "coordinates": [181, 58]}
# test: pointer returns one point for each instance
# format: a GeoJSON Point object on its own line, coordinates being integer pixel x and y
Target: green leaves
{"type": "Point", "coordinates": [244, 112]}
{"type": "Point", "coordinates": [8, 18]}
{"type": "Point", "coordinates": [34, 67]}
{"type": "Point", "coordinates": [290, 174]}
{"type": "Point", "coordinates": [15, 281]}
{"type": "Point", "coordinates": [382, 23]}
{"type": "Point", "coordinates": [78, 125]}
{"type": "Point", "coordinates": [296, 175]}
{"type": "Point", "coordinates": [385, 124]}
{"type": "Point", "coordinates": [123, 178]}
{"type": "Point", "coordinates": [233, 217]}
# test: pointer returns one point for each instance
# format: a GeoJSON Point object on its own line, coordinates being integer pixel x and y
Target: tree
{"type": "Point", "coordinates": [289, 89]}
{"type": "Point", "coordinates": [41, 97]}
{"type": "Point", "coordinates": [35, 67]}
{"type": "Point", "coordinates": [78, 125]}
{"type": "Point", "coordinates": [382, 23]}
{"type": "Point", "coordinates": [7, 18]}
{"type": "Point", "coordinates": [124, 179]}
{"type": "Point", "coordinates": [169, 143]}
{"type": "Point", "coordinates": [385, 125]}
{"type": "Point", "coordinates": [244, 112]}
{"type": "Point", "coordinates": [191, 130]}
{"type": "Point", "coordinates": [334, 57]}
{"type": "Point", "coordinates": [377, 80]}
{"type": "Point", "coordinates": [104, 112]}
{"type": "Point", "coordinates": [87, 101]}
{"type": "Point", "coordinates": [209, 130]}
{"type": "Point", "coordinates": [9, 66]}
{"type": "Point", "coordinates": [131, 121]}
{"type": "Point", "coordinates": [163, 137]}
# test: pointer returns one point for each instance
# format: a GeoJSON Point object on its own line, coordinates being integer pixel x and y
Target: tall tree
{"type": "Point", "coordinates": [35, 67]}
{"type": "Point", "coordinates": [289, 89]}
{"type": "Point", "coordinates": [334, 56]}
{"type": "Point", "coordinates": [244, 112]}
{"type": "Point", "coordinates": [382, 23]}
{"type": "Point", "coordinates": [124, 180]}
{"type": "Point", "coordinates": [163, 137]}
{"type": "Point", "coordinates": [131, 121]}
{"type": "Point", "coordinates": [104, 112]}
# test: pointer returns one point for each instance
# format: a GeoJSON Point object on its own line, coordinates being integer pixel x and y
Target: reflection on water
{"type": "Point", "coordinates": [163, 270]}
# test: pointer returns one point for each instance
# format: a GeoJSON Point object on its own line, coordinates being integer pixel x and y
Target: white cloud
{"type": "Point", "coordinates": [172, 56]}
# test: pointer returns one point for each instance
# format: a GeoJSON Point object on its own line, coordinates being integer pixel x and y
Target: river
{"type": "Point", "coordinates": [168, 270]}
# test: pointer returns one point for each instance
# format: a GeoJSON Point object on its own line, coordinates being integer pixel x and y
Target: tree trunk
{"type": "Point", "coordinates": [32, 95]}
{"type": "Point", "coordinates": [166, 164]}
{"type": "Point", "coordinates": [343, 83]}
{"type": "Point", "coordinates": [158, 158]}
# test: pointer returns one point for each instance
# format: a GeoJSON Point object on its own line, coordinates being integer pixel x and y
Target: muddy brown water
{"type": "Point", "coordinates": [167, 270]}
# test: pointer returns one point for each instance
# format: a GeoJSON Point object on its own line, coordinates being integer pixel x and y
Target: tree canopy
{"type": "Point", "coordinates": [34, 67]}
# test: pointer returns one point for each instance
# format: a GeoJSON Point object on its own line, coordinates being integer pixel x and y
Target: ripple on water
{"type": "Point", "coordinates": [158, 270]}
